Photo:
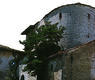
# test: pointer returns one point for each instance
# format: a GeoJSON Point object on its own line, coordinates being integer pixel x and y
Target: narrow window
{"type": "Point", "coordinates": [88, 16]}
{"type": "Point", "coordinates": [51, 67]}
{"type": "Point", "coordinates": [71, 66]}
{"type": "Point", "coordinates": [94, 17]}
{"type": "Point", "coordinates": [88, 35]}
{"type": "Point", "coordinates": [71, 58]}
{"type": "Point", "coordinates": [60, 16]}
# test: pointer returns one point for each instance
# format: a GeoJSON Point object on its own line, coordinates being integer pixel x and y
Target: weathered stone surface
{"type": "Point", "coordinates": [76, 64]}
{"type": "Point", "coordinates": [79, 23]}
{"type": "Point", "coordinates": [6, 55]}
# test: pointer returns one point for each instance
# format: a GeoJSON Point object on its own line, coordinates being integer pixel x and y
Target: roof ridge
{"type": "Point", "coordinates": [78, 3]}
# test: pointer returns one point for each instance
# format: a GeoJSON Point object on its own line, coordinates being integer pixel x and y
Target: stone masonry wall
{"type": "Point", "coordinates": [79, 23]}
{"type": "Point", "coordinates": [5, 57]}
{"type": "Point", "coordinates": [74, 64]}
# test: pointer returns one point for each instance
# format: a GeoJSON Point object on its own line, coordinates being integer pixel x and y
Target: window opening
{"type": "Point", "coordinates": [60, 16]}
{"type": "Point", "coordinates": [88, 16]}
{"type": "Point", "coordinates": [22, 77]}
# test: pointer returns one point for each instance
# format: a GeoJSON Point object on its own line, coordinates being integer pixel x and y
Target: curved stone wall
{"type": "Point", "coordinates": [79, 23]}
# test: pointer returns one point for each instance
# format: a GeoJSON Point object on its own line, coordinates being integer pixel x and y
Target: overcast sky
{"type": "Point", "coordinates": [17, 15]}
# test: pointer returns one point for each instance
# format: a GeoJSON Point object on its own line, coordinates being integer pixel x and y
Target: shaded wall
{"type": "Point", "coordinates": [75, 64]}
{"type": "Point", "coordinates": [5, 57]}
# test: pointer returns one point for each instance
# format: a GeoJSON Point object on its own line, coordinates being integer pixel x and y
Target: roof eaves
{"type": "Point", "coordinates": [5, 48]}
{"type": "Point", "coordinates": [70, 50]}
{"type": "Point", "coordinates": [27, 30]}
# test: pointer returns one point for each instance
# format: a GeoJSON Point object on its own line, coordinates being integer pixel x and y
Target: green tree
{"type": "Point", "coordinates": [41, 43]}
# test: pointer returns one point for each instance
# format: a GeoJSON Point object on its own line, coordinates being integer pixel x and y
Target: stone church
{"type": "Point", "coordinates": [77, 61]}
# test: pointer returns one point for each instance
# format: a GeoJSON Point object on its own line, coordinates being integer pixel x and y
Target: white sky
{"type": "Point", "coordinates": [17, 15]}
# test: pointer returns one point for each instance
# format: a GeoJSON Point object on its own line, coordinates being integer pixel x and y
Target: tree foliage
{"type": "Point", "coordinates": [40, 44]}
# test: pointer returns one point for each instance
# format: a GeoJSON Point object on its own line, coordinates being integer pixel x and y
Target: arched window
{"type": "Point", "coordinates": [22, 77]}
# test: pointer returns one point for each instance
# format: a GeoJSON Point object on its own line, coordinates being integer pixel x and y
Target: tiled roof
{"type": "Point", "coordinates": [6, 48]}
{"type": "Point", "coordinates": [71, 49]}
